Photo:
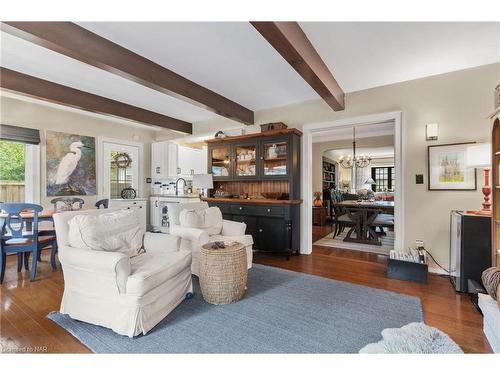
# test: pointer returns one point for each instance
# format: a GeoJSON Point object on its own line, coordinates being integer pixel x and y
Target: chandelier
{"type": "Point", "coordinates": [350, 161]}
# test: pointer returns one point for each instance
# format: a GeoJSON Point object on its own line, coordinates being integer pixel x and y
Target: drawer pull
{"type": "Point", "coordinates": [268, 210]}
{"type": "Point", "coordinates": [241, 208]}
{"type": "Point", "coordinates": [260, 230]}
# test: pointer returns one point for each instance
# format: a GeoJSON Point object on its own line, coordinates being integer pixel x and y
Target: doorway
{"type": "Point", "coordinates": [310, 131]}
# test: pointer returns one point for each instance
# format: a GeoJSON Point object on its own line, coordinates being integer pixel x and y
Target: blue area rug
{"type": "Point", "coordinates": [282, 312]}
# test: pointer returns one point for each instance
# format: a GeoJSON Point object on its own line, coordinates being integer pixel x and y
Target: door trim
{"type": "Point", "coordinates": [100, 163]}
{"type": "Point", "coordinates": [306, 172]}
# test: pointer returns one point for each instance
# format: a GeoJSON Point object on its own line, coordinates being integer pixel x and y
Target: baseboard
{"type": "Point", "coordinates": [437, 271]}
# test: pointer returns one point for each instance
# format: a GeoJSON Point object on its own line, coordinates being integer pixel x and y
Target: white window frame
{"type": "Point", "coordinates": [101, 183]}
{"type": "Point", "coordinates": [32, 171]}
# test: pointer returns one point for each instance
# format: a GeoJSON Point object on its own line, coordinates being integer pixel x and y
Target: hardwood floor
{"type": "Point", "coordinates": [25, 305]}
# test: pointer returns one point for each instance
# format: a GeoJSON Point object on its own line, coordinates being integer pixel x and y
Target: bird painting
{"type": "Point", "coordinates": [70, 164]}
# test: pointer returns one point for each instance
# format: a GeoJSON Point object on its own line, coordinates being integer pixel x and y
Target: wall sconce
{"type": "Point", "coordinates": [431, 132]}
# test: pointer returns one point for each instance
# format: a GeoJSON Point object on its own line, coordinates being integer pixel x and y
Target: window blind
{"type": "Point", "coordinates": [18, 134]}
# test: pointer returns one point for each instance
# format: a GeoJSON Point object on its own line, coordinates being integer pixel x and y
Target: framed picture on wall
{"type": "Point", "coordinates": [447, 168]}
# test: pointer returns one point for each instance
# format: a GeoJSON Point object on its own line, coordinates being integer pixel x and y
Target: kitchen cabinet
{"type": "Point", "coordinates": [271, 156]}
{"type": "Point", "coordinates": [163, 160]}
{"type": "Point", "coordinates": [170, 160]}
{"type": "Point", "coordinates": [274, 228]}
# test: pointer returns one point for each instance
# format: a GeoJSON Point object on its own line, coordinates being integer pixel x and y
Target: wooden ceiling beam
{"type": "Point", "coordinates": [81, 44]}
{"type": "Point", "coordinates": [290, 41]}
{"type": "Point", "coordinates": [34, 87]}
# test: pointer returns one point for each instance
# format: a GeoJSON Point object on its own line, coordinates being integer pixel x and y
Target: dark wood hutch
{"type": "Point", "coordinates": [260, 176]}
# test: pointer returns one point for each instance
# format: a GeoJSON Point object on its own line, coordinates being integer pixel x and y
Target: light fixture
{"type": "Point", "coordinates": [431, 132]}
{"type": "Point", "coordinates": [203, 181]}
{"type": "Point", "coordinates": [350, 161]}
{"type": "Point", "coordinates": [479, 155]}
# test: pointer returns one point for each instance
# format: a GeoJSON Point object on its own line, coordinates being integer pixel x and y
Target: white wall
{"type": "Point", "coordinates": [459, 102]}
{"type": "Point", "coordinates": [38, 116]}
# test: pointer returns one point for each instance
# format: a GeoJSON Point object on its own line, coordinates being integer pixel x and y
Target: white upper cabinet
{"type": "Point", "coordinates": [171, 160]}
{"type": "Point", "coordinates": [163, 160]}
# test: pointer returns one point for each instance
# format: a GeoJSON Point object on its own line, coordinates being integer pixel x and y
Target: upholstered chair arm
{"type": "Point", "coordinates": [90, 270]}
{"type": "Point", "coordinates": [196, 235]}
{"type": "Point", "coordinates": [233, 228]}
{"type": "Point", "coordinates": [158, 242]}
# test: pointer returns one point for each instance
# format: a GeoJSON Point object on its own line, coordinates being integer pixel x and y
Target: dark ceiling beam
{"type": "Point", "coordinates": [290, 41]}
{"type": "Point", "coordinates": [81, 44]}
{"type": "Point", "coordinates": [34, 87]}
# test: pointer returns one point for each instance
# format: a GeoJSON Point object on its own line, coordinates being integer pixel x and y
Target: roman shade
{"type": "Point", "coordinates": [18, 134]}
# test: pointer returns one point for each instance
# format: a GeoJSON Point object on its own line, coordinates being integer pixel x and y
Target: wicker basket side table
{"type": "Point", "coordinates": [223, 273]}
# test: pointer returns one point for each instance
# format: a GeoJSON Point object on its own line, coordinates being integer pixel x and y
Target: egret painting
{"type": "Point", "coordinates": [71, 168]}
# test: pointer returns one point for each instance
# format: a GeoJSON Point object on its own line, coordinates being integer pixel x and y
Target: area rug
{"type": "Point", "coordinates": [338, 242]}
{"type": "Point", "coordinates": [282, 312]}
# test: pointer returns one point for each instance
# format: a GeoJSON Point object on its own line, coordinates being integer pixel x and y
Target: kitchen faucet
{"type": "Point", "coordinates": [177, 185]}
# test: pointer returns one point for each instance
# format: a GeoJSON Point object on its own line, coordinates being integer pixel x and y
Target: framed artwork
{"type": "Point", "coordinates": [447, 168]}
{"type": "Point", "coordinates": [70, 164]}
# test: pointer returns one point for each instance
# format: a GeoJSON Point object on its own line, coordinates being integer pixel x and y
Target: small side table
{"type": "Point", "coordinates": [319, 215]}
{"type": "Point", "coordinates": [223, 273]}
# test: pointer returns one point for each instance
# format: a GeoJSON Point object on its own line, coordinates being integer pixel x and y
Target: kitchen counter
{"type": "Point", "coordinates": [253, 201]}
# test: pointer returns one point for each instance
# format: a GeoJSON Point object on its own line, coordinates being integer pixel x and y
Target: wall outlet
{"type": "Point", "coordinates": [419, 244]}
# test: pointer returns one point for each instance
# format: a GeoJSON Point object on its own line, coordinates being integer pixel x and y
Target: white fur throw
{"type": "Point", "coordinates": [113, 231]}
{"type": "Point", "coordinates": [413, 338]}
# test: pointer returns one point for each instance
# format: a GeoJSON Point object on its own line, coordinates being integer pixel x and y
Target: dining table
{"type": "Point", "coordinates": [363, 215]}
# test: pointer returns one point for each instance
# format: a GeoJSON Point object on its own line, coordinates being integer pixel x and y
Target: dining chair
{"type": "Point", "coordinates": [16, 239]}
{"type": "Point", "coordinates": [103, 203]}
{"type": "Point", "coordinates": [68, 204]}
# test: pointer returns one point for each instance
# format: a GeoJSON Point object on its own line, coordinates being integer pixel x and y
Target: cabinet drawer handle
{"type": "Point", "coordinates": [158, 170]}
{"type": "Point", "coordinates": [178, 171]}
{"type": "Point", "coordinates": [241, 208]}
{"type": "Point", "coordinates": [140, 206]}
{"type": "Point", "coordinates": [156, 203]}
{"type": "Point", "coordinates": [268, 210]}
{"type": "Point", "coordinates": [260, 230]}
{"type": "Point", "coordinates": [128, 208]}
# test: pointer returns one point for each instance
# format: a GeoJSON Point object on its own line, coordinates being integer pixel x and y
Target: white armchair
{"type": "Point", "coordinates": [193, 238]}
{"type": "Point", "coordinates": [128, 295]}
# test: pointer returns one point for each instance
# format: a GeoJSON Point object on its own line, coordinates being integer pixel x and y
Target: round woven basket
{"type": "Point", "coordinates": [223, 273]}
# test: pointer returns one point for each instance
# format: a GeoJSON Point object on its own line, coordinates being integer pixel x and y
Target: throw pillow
{"type": "Point", "coordinates": [209, 219]}
{"type": "Point", "coordinates": [118, 231]}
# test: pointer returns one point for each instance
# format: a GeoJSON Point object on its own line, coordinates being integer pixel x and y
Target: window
{"type": "Point", "coordinates": [384, 179]}
{"type": "Point", "coordinates": [19, 172]}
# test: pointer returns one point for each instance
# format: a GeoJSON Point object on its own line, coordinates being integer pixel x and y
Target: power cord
{"type": "Point", "coordinates": [435, 261]}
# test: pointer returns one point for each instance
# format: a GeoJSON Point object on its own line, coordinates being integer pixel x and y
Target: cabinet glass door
{"type": "Point", "coordinates": [245, 160]}
{"type": "Point", "coordinates": [275, 157]}
{"type": "Point", "coordinates": [221, 161]}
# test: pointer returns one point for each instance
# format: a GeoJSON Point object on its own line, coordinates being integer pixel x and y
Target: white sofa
{"type": "Point", "coordinates": [110, 289]}
{"type": "Point", "coordinates": [193, 238]}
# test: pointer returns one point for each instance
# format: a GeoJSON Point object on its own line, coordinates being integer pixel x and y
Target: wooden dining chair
{"type": "Point", "coordinates": [15, 239]}
{"type": "Point", "coordinates": [68, 204]}
{"type": "Point", "coordinates": [103, 203]}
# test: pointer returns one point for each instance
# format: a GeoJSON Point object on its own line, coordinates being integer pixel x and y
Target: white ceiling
{"type": "Point", "coordinates": [362, 55]}
{"type": "Point", "coordinates": [230, 58]}
{"type": "Point", "coordinates": [234, 60]}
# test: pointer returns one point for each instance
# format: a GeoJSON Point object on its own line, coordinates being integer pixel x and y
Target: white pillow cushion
{"type": "Point", "coordinates": [114, 231]}
{"type": "Point", "coordinates": [190, 218]}
{"type": "Point", "coordinates": [209, 220]}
